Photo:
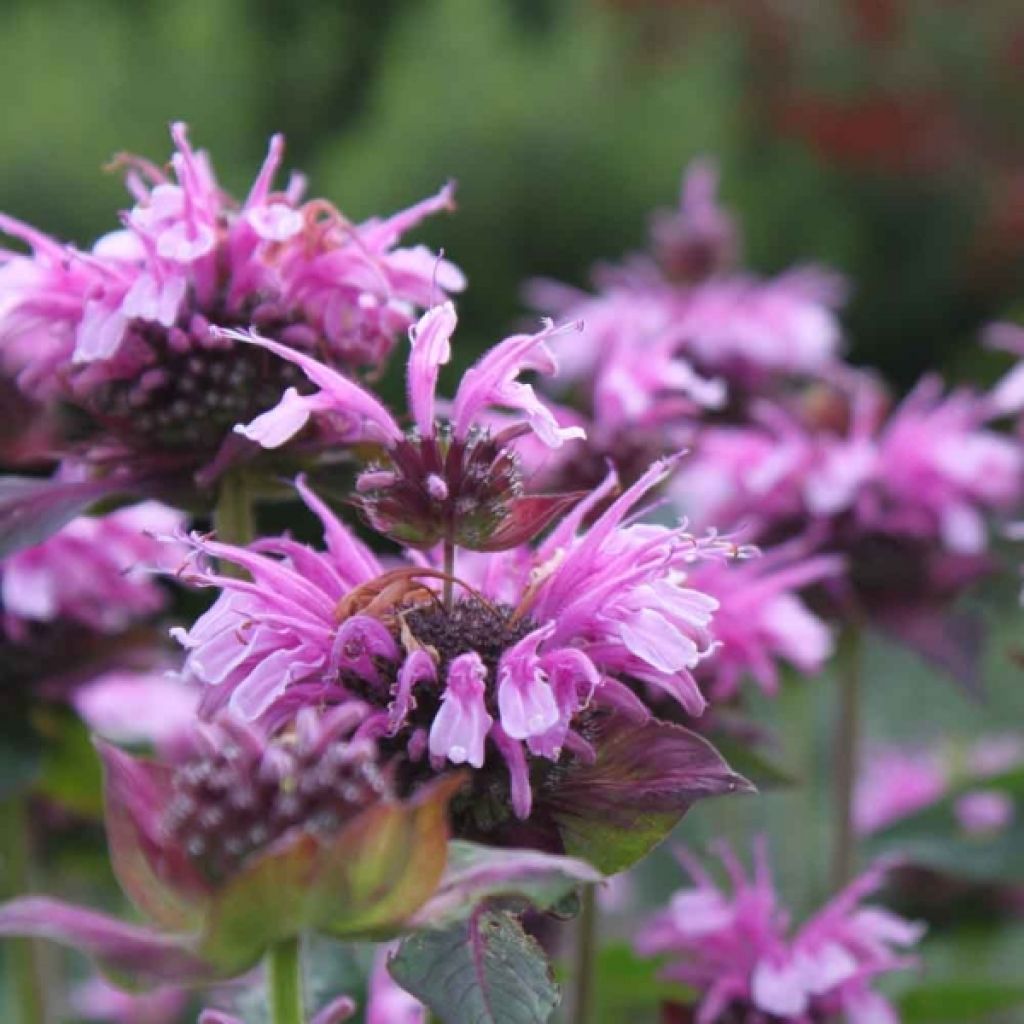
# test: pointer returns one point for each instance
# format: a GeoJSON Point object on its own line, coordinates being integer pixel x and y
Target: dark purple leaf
{"type": "Point", "coordinates": [527, 517]}
{"type": "Point", "coordinates": [644, 779]}
{"type": "Point", "coordinates": [33, 508]}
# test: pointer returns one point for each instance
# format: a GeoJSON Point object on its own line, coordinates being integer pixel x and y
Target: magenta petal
{"type": "Point", "coordinates": [131, 952]}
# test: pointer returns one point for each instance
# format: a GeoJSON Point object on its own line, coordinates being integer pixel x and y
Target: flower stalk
{"type": "Point", "coordinates": [25, 975]}
{"type": "Point", "coordinates": [585, 958]}
{"type": "Point", "coordinates": [847, 743]}
{"type": "Point", "coordinates": [449, 575]}
{"type": "Point", "coordinates": [284, 982]}
{"type": "Point", "coordinates": [234, 516]}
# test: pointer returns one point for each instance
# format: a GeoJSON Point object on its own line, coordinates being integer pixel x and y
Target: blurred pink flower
{"type": "Point", "coordinates": [99, 573]}
{"type": "Point", "coordinates": [132, 708]}
{"type": "Point", "coordinates": [896, 782]}
{"type": "Point", "coordinates": [737, 950]}
{"type": "Point", "coordinates": [931, 471]}
{"type": "Point", "coordinates": [97, 1000]}
{"type": "Point", "coordinates": [761, 620]}
{"type": "Point", "coordinates": [984, 812]}
{"type": "Point", "coordinates": [661, 324]}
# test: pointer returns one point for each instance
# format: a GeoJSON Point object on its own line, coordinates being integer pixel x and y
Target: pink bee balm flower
{"type": "Point", "coordinates": [96, 573]}
{"type": "Point", "coordinates": [737, 951]}
{"type": "Point", "coordinates": [454, 480]}
{"type": "Point", "coordinates": [526, 670]}
{"type": "Point", "coordinates": [761, 620]}
{"type": "Point", "coordinates": [688, 309]}
{"type": "Point", "coordinates": [124, 332]}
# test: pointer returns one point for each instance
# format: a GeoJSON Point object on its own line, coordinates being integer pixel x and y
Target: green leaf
{"type": "Point", "coordinates": [478, 873]}
{"type": "Point", "coordinates": [485, 970]}
{"type": "Point", "coordinates": [628, 985]}
{"type": "Point", "coordinates": [70, 773]}
{"type": "Point", "coordinates": [959, 1001]}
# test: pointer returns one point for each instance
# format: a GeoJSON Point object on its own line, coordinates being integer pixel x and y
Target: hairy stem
{"type": "Point", "coordinates": [585, 960]}
{"type": "Point", "coordinates": [847, 741]}
{"type": "Point", "coordinates": [26, 975]}
{"type": "Point", "coordinates": [234, 517]}
{"type": "Point", "coordinates": [449, 574]}
{"type": "Point", "coordinates": [284, 983]}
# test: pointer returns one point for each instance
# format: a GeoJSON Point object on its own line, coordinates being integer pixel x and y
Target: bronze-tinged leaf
{"type": "Point", "coordinates": [362, 882]}
{"type": "Point", "coordinates": [157, 876]}
{"type": "Point", "coordinates": [527, 517]}
{"type": "Point", "coordinates": [645, 778]}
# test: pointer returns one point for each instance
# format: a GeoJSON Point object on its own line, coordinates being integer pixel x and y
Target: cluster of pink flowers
{"type": "Point", "coordinates": [523, 666]}
{"type": "Point", "coordinates": [738, 951]}
{"type": "Point", "coordinates": [124, 332]}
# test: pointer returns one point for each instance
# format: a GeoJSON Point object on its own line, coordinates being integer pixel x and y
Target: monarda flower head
{"type": "Point", "coordinates": [533, 672]}
{"type": "Point", "coordinates": [736, 950]}
{"type": "Point", "coordinates": [905, 495]}
{"type": "Point", "coordinates": [248, 838]}
{"type": "Point", "coordinates": [124, 334]}
{"type": "Point", "coordinates": [686, 306]}
{"type": "Point", "coordinates": [77, 602]}
{"type": "Point", "coordinates": [452, 479]}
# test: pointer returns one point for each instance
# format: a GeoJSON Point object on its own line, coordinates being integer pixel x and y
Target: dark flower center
{"type": "Point", "coordinates": [232, 803]}
{"type": "Point", "coordinates": [471, 625]}
{"type": "Point", "coordinates": [185, 388]}
{"type": "Point", "coordinates": [442, 487]}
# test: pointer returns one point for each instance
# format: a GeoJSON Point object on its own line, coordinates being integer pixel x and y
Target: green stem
{"type": "Point", "coordinates": [449, 574]}
{"type": "Point", "coordinates": [24, 957]}
{"type": "Point", "coordinates": [847, 742]}
{"type": "Point", "coordinates": [234, 517]}
{"type": "Point", "coordinates": [586, 953]}
{"type": "Point", "coordinates": [284, 983]}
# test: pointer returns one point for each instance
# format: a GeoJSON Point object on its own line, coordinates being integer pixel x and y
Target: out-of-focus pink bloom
{"type": "Point", "coordinates": [996, 754]}
{"type": "Point", "coordinates": [737, 950]}
{"type": "Point", "coordinates": [984, 812]}
{"type": "Point", "coordinates": [896, 782]}
{"type": "Point", "coordinates": [97, 1000]}
{"type": "Point", "coordinates": [95, 572]}
{"type": "Point", "coordinates": [761, 621]}
{"type": "Point", "coordinates": [124, 333]}
{"type": "Point", "coordinates": [532, 640]}
{"type": "Point", "coordinates": [445, 480]}
{"type": "Point", "coordinates": [659, 326]}
{"type": "Point", "coordinates": [930, 472]}
{"type": "Point", "coordinates": [133, 708]}
{"type": "Point", "coordinates": [387, 1002]}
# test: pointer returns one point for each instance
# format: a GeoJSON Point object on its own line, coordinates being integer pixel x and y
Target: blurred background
{"type": "Point", "coordinates": [880, 136]}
